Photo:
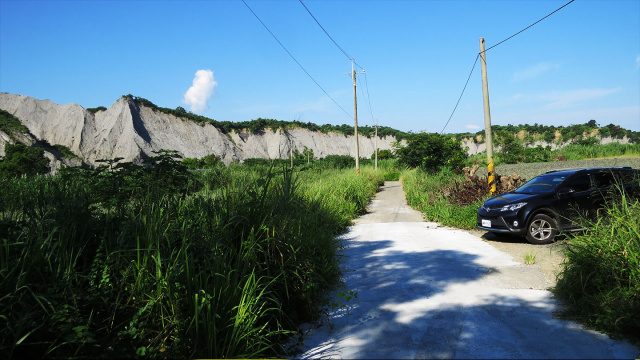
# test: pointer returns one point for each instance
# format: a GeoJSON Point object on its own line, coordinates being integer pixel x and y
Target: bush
{"type": "Point", "coordinates": [207, 162]}
{"type": "Point", "coordinates": [337, 162]}
{"type": "Point", "coordinates": [10, 123]}
{"type": "Point", "coordinates": [432, 152]}
{"type": "Point", "coordinates": [96, 109]}
{"type": "Point", "coordinates": [21, 160]}
{"type": "Point", "coordinates": [383, 154]}
{"type": "Point", "coordinates": [600, 281]}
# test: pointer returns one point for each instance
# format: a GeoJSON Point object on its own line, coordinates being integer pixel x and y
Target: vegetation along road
{"type": "Point", "coordinates": [415, 289]}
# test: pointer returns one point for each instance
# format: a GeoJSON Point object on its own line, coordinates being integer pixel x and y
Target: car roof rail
{"type": "Point", "coordinates": [588, 168]}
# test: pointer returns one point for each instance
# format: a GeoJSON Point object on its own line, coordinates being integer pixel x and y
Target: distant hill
{"type": "Point", "coordinates": [554, 136]}
{"type": "Point", "coordinates": [133, 128]}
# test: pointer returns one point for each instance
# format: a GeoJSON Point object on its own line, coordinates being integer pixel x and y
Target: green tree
{"type": "Point", "coordinates": [431, 152]}
{"type": "Point", "coordinates": [20, 159]}
{"type": "Point", "coordinates": [511, 151]}
{"type": "Point", "coordinates": [383, 154]}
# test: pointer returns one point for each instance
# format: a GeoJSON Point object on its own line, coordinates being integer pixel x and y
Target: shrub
{"type": "Point", "coordinates": [432, 152]}
{"type": "Point", "coordinates": [600, 281]}
{"type": "Point", "coordinates": [337, 162]}
{"type": "Point", "coordinates": [65, 151]}
{"type": "Point", "coordinates": [10, 123]}
{"type": "Point", "coordinates": [207, 162]}
{"type": "Point", "coordinates": [20, 160]}
{"type": "Point", "coordinates": [96, 109]}
{"type": "Point", "coordinates": [383, 154]}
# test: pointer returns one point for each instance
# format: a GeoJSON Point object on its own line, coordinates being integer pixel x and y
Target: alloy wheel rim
{"type": "Point", "coordinates": [541, 229]}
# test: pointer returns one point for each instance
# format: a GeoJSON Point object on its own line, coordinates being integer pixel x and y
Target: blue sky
{"type": "Point", "coordinates": [579, 64]}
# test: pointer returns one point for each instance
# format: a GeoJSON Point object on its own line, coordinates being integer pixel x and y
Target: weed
{"type": "Point", "coordinates": [600, 281]}
{"type": "Point", "coordinates": [530, 258]}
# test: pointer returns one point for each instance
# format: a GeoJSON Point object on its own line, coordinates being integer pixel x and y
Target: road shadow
{"type": "Point", "coordinates": [430, 303]}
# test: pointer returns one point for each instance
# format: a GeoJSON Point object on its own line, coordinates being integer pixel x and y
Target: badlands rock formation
{"type": "Point", "coordinates": [131, 131]}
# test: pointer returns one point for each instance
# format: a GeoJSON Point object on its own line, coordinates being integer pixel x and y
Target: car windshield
{"type": "Point", "coordinates": [541, 184]}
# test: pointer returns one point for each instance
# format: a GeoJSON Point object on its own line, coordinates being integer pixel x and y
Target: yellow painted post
{"type": "Point", "coordinates": [491, 177]}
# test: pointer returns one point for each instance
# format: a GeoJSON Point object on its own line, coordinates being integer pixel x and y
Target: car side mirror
{"type": "Point", "coordinates": [565, 191]}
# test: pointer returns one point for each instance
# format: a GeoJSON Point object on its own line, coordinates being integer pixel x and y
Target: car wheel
{"type": "Point", "coordinates": [541, 230]}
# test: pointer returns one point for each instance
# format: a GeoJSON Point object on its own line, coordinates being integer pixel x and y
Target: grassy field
{"type": "Point", "coordinates": [531, 170]}
{"type": "Point", "coordinates": [128, 262]}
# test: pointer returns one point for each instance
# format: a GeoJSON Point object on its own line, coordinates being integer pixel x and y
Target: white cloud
{"type": "Point", "coordinates": [534, 71]}
{"type": "Point", "coordinates": [473, 127]}
{"type": "Point", "coordinates": [200, 92]}
{"type": "Point", "coordinates": [566, 99]}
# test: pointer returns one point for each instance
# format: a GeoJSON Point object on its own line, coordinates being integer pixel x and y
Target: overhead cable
{"type": "Point", "coordinates": [518, 33]}
{"type": "Point", "coordinates": [463, 89]}
{"type": "Point", "coordinates": [325, 31]}
{"type": "Point", "coordinates": [368, 97]}
{"type": "Point", "coordinates": [294, 59]}
{"type": "Point", "coordinates": [476, 61]}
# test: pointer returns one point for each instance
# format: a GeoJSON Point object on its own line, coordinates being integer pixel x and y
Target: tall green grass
{"type": "Point", "coordinates": [570, 152]}
{"type": "Point", "coordinates": [600, 280]}
{"type": "Point", "coordinates": [580, 152]}
{"type": "Point", "coordinates": [427, 193]}
{"type": "Point", "coordinates": [159, 262]}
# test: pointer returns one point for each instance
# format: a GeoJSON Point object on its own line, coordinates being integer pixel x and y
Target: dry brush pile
{"type": "Point", "coordinates": [474, 188]}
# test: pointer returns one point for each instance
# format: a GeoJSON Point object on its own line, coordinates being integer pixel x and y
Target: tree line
{"type": "Point", "coordinates": [262, 124]}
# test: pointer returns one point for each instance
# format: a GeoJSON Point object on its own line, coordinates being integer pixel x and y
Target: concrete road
{"type": "Point", "coordinates": [424, 291]}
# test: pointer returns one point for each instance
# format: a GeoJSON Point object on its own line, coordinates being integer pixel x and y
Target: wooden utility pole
{"type": "Point", "coordinates": [355, 117]}
{"type": "Point", "coordinates": [487, 119]}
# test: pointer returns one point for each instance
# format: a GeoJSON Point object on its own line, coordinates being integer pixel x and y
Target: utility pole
{"type": "Point", "coordinates": [487, 120]}
{"type": "Point", "coordinates": [376, 145]}
{"type": "Point", "coordinates": [355, 117]}
{"type": "Point", "coordinates": [290, 147]}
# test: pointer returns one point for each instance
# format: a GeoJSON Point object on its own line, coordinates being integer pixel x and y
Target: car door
{"type": "Point", "coordinates": [574, 201]}
{"type": "Point", "coordinates": [605, 190]}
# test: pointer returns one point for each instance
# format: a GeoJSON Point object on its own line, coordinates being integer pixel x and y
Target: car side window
{"type": "Point", "coordinates": [627, 177]}
{"type": "Point", "coordinates": [581, 183]}
{"type": "Point", "coordinates": [604, 179]}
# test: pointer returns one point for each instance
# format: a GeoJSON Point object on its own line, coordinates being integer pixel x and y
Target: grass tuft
{"type": "Point", "coordinates": [600, 281]}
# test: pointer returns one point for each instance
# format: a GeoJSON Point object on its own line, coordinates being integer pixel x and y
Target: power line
{"type": "Point", "coordinates": [465, 87]}
{"type": "Point", "coordinates": [476, 61]}
{"type": "Point", "coordinates": [325, 31]}
{"type": "Point", "coordinates": [294, 59]}
{"type": "Point", "coordinates": [518, 33]}
{"type": "Point", "coordinates": [368, 97]}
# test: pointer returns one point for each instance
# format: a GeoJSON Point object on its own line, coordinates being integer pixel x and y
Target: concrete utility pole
{"type": "Point", "coordinates": [376, 145]}
{"type": "Point", "coordinates": [355, 117]}
{"type": "Point", "coordinates": [487, 119]}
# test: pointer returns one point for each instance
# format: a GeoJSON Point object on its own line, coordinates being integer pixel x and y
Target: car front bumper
{"type": "Point", "coordinates": [500, 224]}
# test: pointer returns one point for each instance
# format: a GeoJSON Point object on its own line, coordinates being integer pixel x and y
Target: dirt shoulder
{"type": "Point", "coordinates": [548, 258]}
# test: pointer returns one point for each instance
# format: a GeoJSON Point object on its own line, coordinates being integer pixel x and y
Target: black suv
{"type": "Point", "coordinates": [556, 201]}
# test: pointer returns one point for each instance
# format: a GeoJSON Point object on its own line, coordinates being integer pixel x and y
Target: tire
{"type": "Point", "coordinates": [542, 229]}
